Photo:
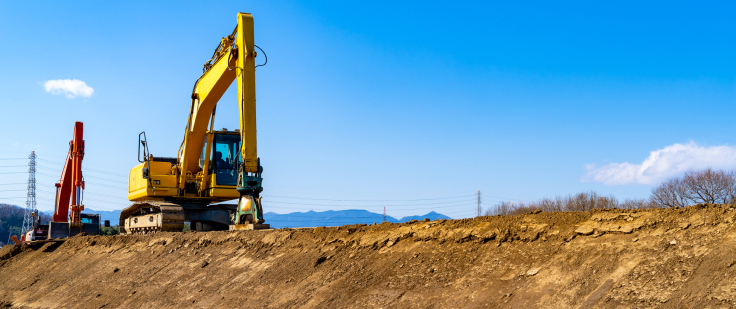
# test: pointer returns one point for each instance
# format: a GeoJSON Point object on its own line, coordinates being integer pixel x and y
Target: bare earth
{"type": "Point", "coordinates": [600, 259]}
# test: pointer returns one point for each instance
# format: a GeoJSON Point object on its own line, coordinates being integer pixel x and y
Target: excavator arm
{"type": "Point", "coordinates": [233, 60]}
{"type": "Point", "coordinates": [71, 183]}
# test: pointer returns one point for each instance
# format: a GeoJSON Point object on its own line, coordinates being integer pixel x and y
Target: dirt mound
{"type": "Point", "coordinates": [605, 258]}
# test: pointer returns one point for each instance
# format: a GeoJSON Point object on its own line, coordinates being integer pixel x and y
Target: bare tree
{"type": "Point", "coordinates": [503, 208]}
{"type": "Point", "coordinates": [670, 193]}
{"type": "Point", "coordinates": [704, 186]}
{"type": "Point", "coordinates": [578, 202]}
{"type": "Point", "coordinates": [637, 204]}
{"type": "Point", "coordinates": [589, 200]}
{"type": "Point", "coordinates": [709, 186]}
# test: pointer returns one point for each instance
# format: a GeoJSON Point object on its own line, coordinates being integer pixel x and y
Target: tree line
{"type": "Point", "coordinates": [694, 187]}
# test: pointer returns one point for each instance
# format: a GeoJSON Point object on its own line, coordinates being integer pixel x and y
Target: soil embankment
{"type": "Point", "coordinates": [599, 259]}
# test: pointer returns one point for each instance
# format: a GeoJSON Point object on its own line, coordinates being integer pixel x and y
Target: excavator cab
{"type": "Point", "coordinates": [93, 219]}
{"type": "Point", "coordinates": [89, 224]}
{"type": "Point", "coordinates": [224, 158]}
{"type": "Point", "coordinates": [157, 178]}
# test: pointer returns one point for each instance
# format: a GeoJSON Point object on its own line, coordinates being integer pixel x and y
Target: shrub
{"type": "Point", "coordinates": [579, 202]}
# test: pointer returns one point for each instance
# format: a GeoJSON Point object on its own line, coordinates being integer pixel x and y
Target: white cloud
{"type": "Point", "coordinates": [69, 87]}
{"type": "Point", "coordinates": [663, 163]}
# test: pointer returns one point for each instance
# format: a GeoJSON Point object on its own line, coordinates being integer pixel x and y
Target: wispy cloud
{"type": "Point", "coordinates": [661, 164]}
{"type": "Point", "coordinates": [69, 87]}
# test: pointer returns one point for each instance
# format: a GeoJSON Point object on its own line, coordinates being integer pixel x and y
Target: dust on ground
{"type": "Point", "coordinates": [598, 259]}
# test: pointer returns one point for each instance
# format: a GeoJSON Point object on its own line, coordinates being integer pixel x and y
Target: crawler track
{"type": "Point", "coordinates": [172, 217]}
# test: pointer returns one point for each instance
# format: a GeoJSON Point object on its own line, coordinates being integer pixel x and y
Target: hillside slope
{"type": "Point", "coordinates": [604, 259]}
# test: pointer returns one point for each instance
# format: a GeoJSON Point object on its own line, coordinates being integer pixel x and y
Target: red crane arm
{"type": "Point", "coordinates": [71, 184]}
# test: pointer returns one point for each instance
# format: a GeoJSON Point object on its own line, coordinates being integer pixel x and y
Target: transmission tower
{"type": "Point", "coordinates": [31, 198]}
{"type": "Point", "coordinates": [478, 208]}
{"type": "Point", "coordinates": [384, 214]}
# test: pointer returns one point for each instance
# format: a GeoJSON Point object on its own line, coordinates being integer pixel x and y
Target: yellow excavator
{"type": "Point", "coordinates": [212, 166]}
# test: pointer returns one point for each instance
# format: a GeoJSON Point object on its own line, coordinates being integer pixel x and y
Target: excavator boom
{"type": "Point", "coordinates": [71, 183]}
{"type": "Point", "coordinates": [234, 59]}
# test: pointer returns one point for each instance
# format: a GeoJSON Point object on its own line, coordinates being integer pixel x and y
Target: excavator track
{"type": "Point", "coordinates": [151, 217]}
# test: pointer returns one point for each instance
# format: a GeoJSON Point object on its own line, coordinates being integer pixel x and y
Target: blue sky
{"type": "Point", "coordinates": [385, 101]}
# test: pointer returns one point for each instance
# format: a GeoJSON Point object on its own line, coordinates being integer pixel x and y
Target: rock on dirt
{"type": "Point", "coordinates": [532, 272]}
{"type": "Point", "coordinates": [597, 259]}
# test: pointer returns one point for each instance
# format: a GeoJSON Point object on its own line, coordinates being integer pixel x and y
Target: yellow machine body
{"type": "Point", "coordinates": [158, 180]}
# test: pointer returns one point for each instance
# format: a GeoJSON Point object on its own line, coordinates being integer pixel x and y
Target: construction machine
{"type": "Point", "coordinates": [211, 166]}
{"type": "Point", "coordinates": [68, 219]}
{"type": "Point", "coordinates": [90, 225]}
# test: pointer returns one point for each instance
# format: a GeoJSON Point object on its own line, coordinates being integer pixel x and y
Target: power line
{"type": "Point", "coordinates": [97, 199]}
{"type": "Point", "coordinates": [508, 198]}
{"type": "Point", "coordinates": [86, 175]}
{"type": "Point", "coordinates": [368, 207]}
{"type": "Point", "coordinates": [341, 194]}
{"type": "Point", "coordinates": [87, 164]}
{"type": "Point", "coordinates": [378, 205]}
{"type": "Point", "coordinates": [87, 169]}
{"type": "Point", "coordinates": [342, 220]}
{"type": "Point", "coordinates": [338, 210]}
{"type": "Point", "coordinates": [86, 193]}
{"type": "Point", "coordinates": [323, 199]}
{"type": "Point", "coordinates": [96, 179]}
{"type": "Point", "coordinates": [106, 179]}
{"type": "Point", "coordinates": [340, 216]}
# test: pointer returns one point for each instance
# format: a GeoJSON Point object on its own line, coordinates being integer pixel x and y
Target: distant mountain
{"type": "Point", "coordinates": [337, 218]}
{"type": "Point", "coordinates": [432, 216]}
{"type": "Point", "coordinates": [324, 218]}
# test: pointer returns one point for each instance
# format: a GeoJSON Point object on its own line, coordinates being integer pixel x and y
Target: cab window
{"type": "Point", "coordinates": [90, 220]}
{"type": "Point", "coordinates": [226, 158]}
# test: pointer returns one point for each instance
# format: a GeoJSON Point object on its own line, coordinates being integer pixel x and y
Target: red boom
{"type": "Point", "coordinates": [71, 184]}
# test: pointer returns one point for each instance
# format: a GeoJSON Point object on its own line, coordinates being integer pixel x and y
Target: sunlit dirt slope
{"type": "Point", "coordinates": [600, 259]}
